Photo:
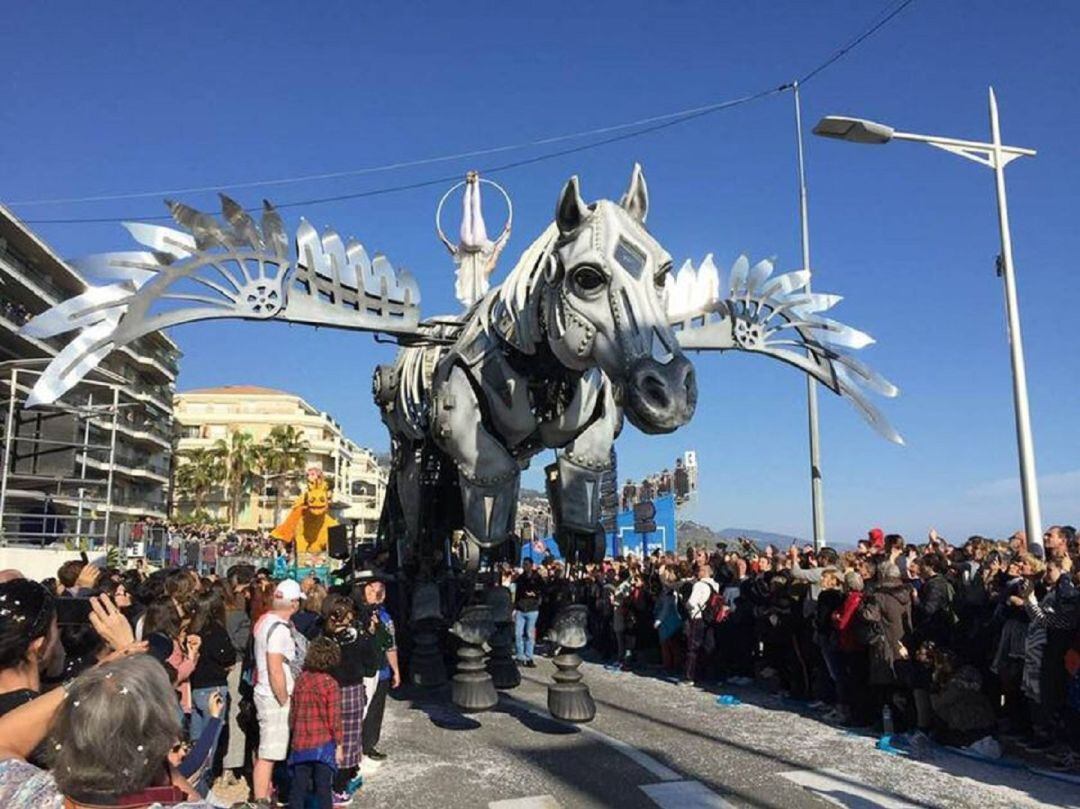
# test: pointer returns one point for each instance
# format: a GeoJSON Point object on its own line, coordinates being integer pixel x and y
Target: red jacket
{"type": "Point", "coordinates": [315, 717]}
{"type": "Point", "coordinates": [844, 621]}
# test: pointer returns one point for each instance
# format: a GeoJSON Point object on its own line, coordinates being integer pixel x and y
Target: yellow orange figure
{"type": "Point", "coordinates": [308, 522]}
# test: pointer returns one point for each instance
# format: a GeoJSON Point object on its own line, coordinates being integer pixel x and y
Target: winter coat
{"type": "Point", "coordinates": [894, 601]}
{"type": "Point", "coordinates": [934, 615]}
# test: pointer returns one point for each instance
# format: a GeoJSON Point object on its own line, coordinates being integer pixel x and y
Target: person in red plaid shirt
{"type": "Point", "coordinates": [315, 722]}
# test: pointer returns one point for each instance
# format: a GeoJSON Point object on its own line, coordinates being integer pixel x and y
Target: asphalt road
{"type": "Point", "coordinates": [655, 744]}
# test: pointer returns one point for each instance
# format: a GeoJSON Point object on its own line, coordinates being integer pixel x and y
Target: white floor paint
{"type": "Point", "coordinates": [840, 789]}
{"type": "Point", "coordinates": [533, 802]}
{"type": "Point", "coordinates": [684, 795]}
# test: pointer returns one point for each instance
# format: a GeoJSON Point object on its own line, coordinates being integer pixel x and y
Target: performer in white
{"type": "Point", "coordinates": [475, 254]}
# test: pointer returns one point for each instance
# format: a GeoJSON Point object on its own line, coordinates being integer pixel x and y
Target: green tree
{"type": "Point", "coordinates": [200, 472]}
{"type": "Point", "coordinates": [284, 453]}
{"type": "Point", "coordinates": [238, 456]}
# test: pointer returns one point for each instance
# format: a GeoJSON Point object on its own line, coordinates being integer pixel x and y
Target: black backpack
{"type": "Point", "coordinates": [714, 611]}
{"type": "Point", "coordinates": [868, 625]}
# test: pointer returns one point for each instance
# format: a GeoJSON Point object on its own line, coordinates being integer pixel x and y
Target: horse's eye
{"type": "Point", "coordinates": [589, 279]}
{"type": "Point", "coordinates": [661, 277]}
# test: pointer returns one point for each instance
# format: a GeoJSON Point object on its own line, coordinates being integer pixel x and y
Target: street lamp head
{"type": "Point", "coordinates": [856, 130]}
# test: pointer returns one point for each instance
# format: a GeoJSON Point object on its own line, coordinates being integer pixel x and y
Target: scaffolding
{"type": "Point", "coordinates": [56, 483]}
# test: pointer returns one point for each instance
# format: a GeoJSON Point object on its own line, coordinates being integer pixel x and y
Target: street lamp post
{"type": "Point", "coordinates": [816, 495]}
{"type": "Point", "coordinates": [996, 156]}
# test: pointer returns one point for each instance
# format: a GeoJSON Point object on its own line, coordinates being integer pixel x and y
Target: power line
{"type": "Point", "coordinates": [648, 125]}
{"type": "Point", "coordinates": [495, 169]}
{"type": "Point", "coordinates": [865, 35]}
{"type": "Point", "coordinates": [332, 175]}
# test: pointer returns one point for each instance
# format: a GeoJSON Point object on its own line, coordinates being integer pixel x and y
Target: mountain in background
{"type": "Point", "coordinates": [692, 533]}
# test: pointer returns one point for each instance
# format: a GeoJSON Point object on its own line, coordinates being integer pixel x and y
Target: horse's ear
{"type": "Point", "coordinates": [636, 199]}
{"type": "Point", "coordinates": [571, 210]}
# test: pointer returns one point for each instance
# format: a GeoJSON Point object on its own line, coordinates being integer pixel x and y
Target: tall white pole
{"type": "Point", "coordinates": [1028, 484]}
{"type": "Point", "coordinates": [816, 494]}
{"type": "Point", "coordinates": [82, 468]}
{"type": "Point", "coordinates": [112, 463]}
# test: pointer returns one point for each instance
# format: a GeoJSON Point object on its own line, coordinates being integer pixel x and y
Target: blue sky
{"type": "Point", "coordinates": [108, 98]}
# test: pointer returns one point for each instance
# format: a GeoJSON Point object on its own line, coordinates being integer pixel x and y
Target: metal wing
{"type": "Point", "coordinates": [234, 268]}
{"type": "Point", "coordinates": [780, 317]}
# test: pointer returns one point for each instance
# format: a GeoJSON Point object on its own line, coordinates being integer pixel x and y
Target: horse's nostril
{"type": "Point", "coordinates": [655, 391]}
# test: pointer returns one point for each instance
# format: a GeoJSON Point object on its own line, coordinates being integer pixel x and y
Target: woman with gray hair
{"type": "Point", "coordinates": [107, 738]}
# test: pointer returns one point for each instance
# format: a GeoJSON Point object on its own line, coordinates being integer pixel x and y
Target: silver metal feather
{"type": "Point", "coordinates": [779, 317]}
{"type": "Point", "coordinates": [230, 268]}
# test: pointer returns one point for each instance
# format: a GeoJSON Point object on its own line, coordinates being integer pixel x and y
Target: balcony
{"type": "Point", "coordinates": [30, 276]}
{"type": "Point", "coordinates": [150, 432]}
{"type": "Point", "coordinates": [168, 358]}
{"type": "Point", "coordinates": [131, 465]}
{"type": "Point", "coordinates": [160, 395]}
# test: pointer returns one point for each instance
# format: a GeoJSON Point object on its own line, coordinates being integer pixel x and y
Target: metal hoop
{"type": "Point", "coordinates": [455, 187]}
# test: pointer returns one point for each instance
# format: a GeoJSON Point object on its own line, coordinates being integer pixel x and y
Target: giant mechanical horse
{"type": "Point", "coordinates": [590, 325]}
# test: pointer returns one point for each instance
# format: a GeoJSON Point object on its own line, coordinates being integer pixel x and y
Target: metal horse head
{"type": "Point", "coordinates": [592, 288]}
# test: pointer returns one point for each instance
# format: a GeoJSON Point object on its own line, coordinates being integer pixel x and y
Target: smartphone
{"type": "Point", "coordinates": [73, 611]}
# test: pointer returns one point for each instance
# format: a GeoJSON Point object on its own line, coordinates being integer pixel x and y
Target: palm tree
{"type": "Point", "coordinates": [262, 466]}
{"type": "Point", "coordinates": [200, 472]}
{"type": "Point", "coordinates": [285, 451]}
{"type": "Point", "coordinates": [238, 457]}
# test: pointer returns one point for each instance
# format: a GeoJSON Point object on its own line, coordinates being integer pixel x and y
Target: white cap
{"type": "Point", "coordinates": [289, 590]}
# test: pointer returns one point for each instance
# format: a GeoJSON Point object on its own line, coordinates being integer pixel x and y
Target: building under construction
{"type": "Point", "coordinates": [99, 457]}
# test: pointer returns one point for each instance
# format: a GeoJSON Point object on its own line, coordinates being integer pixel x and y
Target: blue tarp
{"type": "Point", "coordinates": [529, 552]}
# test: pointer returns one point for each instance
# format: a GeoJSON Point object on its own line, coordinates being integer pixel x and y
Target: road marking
{"type": "Point", "coordinates": [684, 795]}
{"type": "Point", "coordinates": [533, 802]}
{"type": "Point", "coordinates": [637, 756]}
{"type": "Point", "coordinates": [841, 789]}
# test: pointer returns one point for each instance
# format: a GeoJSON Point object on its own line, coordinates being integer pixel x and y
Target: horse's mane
{"type": "Point", "coordinates": [515, 305]}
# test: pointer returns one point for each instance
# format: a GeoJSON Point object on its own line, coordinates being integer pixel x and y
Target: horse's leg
{"type": "Point", "coordinates": [467, 207]}
{"type": "Point", "coordinates": [489, 475]}
{"type": "Point", "coordinates": [582, 466]}
{"type": "Point", "coordinates": [479, 229]}
{"type": "Point", "coordinates": [407, 478]}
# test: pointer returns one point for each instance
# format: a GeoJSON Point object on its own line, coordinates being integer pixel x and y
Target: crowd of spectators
{"type": "Point", "coordinates": [145, 689]}
{"type": "Point", "coordinates": [176, 543]}
{"type": "Point", "coordinates": [973, 643]}
{"type": "Point", "coordinates": [14, 312]}
{"type": "Point", "coordinates": [135, 689]}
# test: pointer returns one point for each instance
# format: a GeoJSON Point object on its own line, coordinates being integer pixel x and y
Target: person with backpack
{"type": "Point", "coordinates": [701, 610]}
{"type": "Point", "coordinates": [885, 626]}
{"type": "Point", "coordinates": [850, 690]}
{"type": "Point", "coordinates": [279, 651]}
{"type": "Point", "coordinates": [935, 610]}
